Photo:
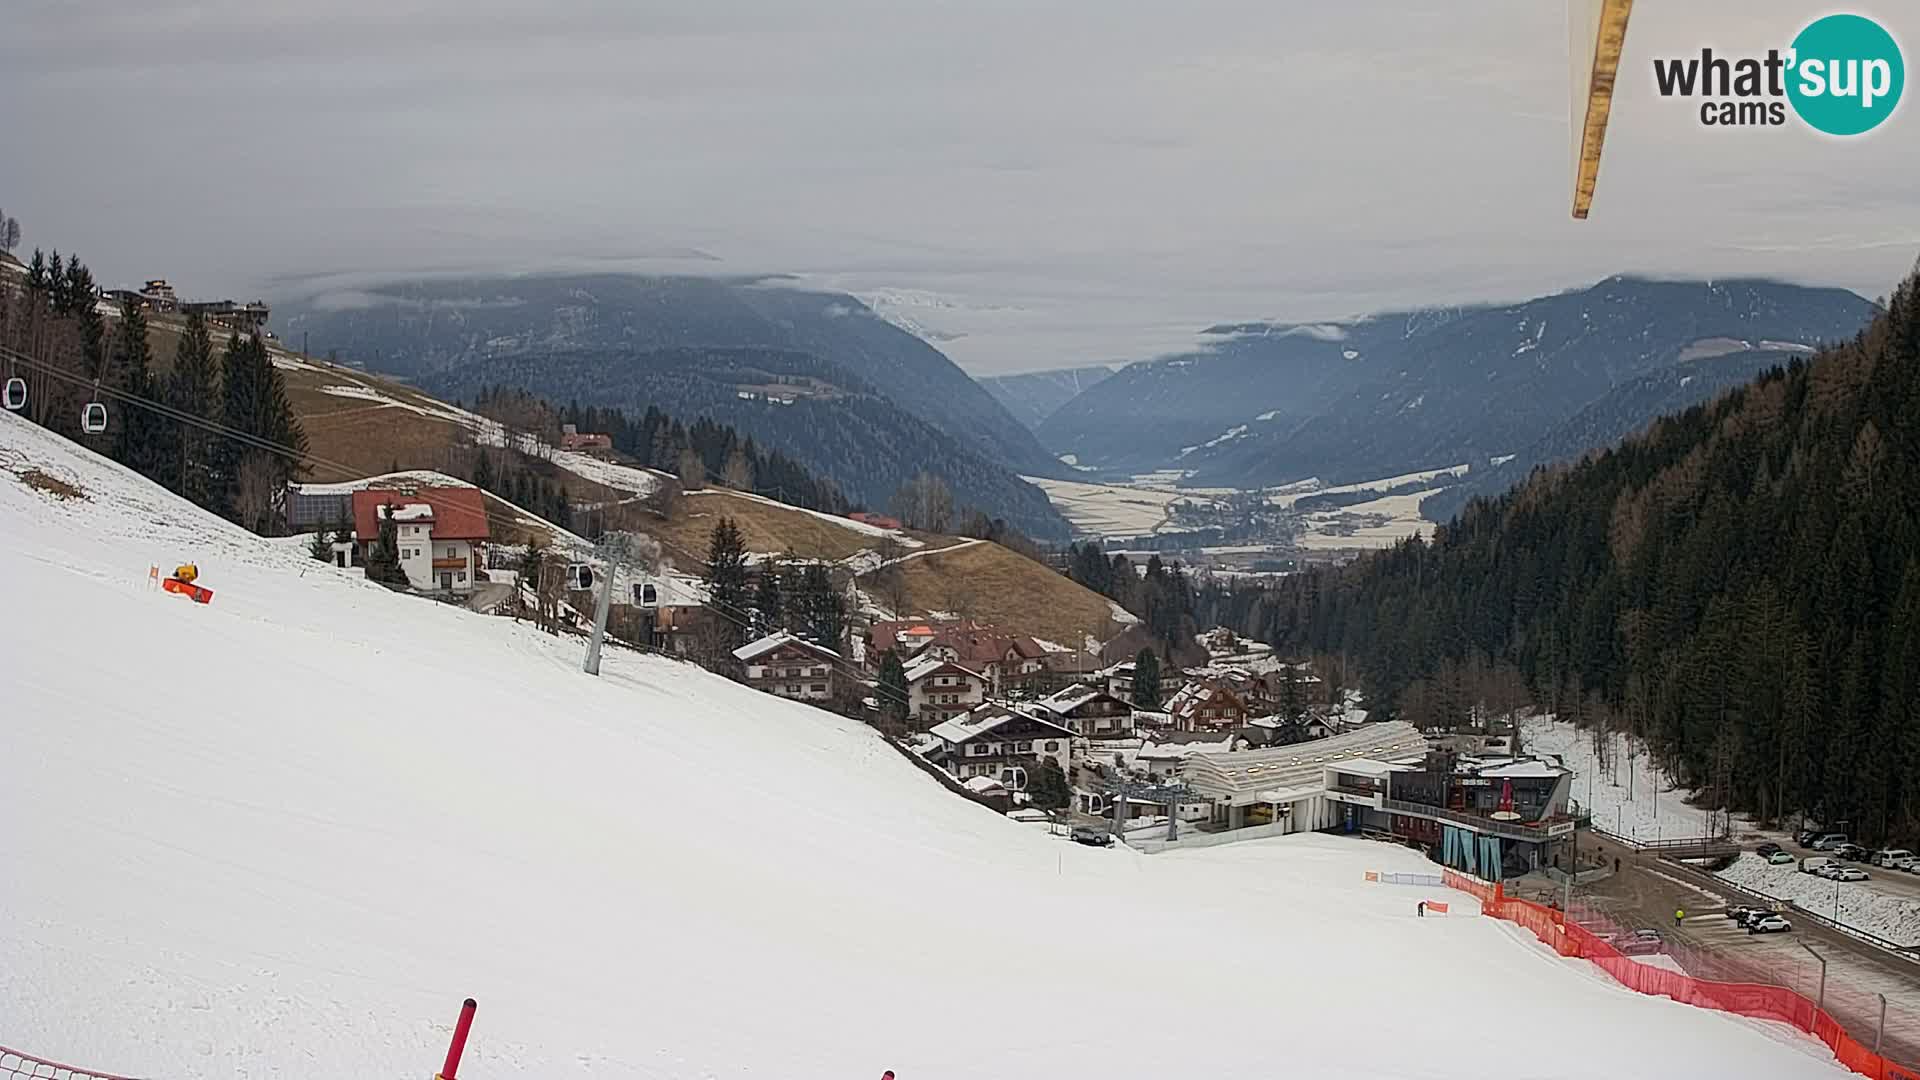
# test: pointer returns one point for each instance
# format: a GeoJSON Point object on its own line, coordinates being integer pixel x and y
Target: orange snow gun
{"type": "Point", "coordinates": [182, 583]}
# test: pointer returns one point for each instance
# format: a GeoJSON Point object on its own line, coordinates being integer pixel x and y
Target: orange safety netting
{"type": "Point", "coordinates": [1764, 1002]}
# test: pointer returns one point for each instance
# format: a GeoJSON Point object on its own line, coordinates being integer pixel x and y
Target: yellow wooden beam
{"type": "Point", "coordinates": [1607, 36]}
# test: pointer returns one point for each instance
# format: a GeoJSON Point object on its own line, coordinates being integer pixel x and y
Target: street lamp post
{"type": "Point", "coordinates": [1820, 1005]}
{"type": "Point", "coordinates": [1882, 1028]}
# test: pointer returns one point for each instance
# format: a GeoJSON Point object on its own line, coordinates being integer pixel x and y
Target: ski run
{"type": "Point", "coordinates": [284, 834]}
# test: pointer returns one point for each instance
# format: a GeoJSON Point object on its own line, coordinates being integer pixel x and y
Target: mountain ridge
{"type": "Point", "coordinates": [1345, 400]}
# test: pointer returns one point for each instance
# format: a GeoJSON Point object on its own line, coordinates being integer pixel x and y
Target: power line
{"type": "Point", "coordinates": [740, 617]}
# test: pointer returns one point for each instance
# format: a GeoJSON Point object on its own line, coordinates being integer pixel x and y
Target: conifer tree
{"type": "Point", "coordinates": [137, 434]}
{"type": "Point", "coordinates": [894, 700]}
{"type": "Point", "coordinates": [727, 579]}
{"type": "Point", "coordinates": [1146, 680]}
{"type": "Point", "coordinates": [768, 615]}
{"type": "Point", "coordinates": [193, 389]}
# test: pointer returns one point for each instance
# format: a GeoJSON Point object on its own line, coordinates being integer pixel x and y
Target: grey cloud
{"type": "Point", "coordinates": [1031, 185]}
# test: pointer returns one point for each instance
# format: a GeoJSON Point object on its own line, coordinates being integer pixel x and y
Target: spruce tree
{"type": "Point", "coordinates": [1146, 680]}
{"type": "Point", "coordinates": [826, 609]}
{"type": "Point", "coordinates": [383, 558]}
{"type": "Point", "coordinates": [768, 615]}
{"type": "Point", "coordinates": [727, 579]}
{"type": "Point", "coordinates": [894, 700]}
{"type": "Point", "coordinates": [193, 389]}
{"type": "Point", "coordinates": [137, 435]}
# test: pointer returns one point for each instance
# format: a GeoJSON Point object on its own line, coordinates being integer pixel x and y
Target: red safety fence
{"type": "Point", "coordinates": [1745, 999]}
{"type": "Point", "coordinates": [15, 1065]}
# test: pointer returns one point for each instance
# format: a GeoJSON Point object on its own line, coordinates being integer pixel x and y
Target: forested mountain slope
{"type": "Point", "coordinates": [1406, 391]}
{"type": "Point", "coordinates": [815, 412]}
{"type": "Point", "coordinates": [1741, 584]}
{"type": "Point", "coordinates": [420, 328]}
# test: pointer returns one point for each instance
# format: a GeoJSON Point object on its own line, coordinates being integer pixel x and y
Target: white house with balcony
{"type": "Point", "coordinates": [939, 690]}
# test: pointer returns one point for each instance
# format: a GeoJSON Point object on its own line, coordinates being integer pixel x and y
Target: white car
{"type": "Point", "coordinates": [1893, 858]}
{"type": "Point", "coordinates": [1768, 924]}
{"type": "Point", "coordinates": [1849, 873]}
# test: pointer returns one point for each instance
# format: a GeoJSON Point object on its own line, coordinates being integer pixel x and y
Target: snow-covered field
{"type": "Point", "coordinates": [1860, 905]}
{"type": "Point", "coordinates": [1622, 796]}
{"type": "Point", "coordinates": [1400, 519]}
{"type": "Point", "coordinates": [284, 834]}
{"type": "Point", "coordinates": [1109, 509]}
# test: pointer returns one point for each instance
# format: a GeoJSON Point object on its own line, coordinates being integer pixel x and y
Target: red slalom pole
{"type": "Point", "coordinates": [459, 1044]}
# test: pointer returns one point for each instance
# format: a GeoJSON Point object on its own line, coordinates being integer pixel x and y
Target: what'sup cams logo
{"type": "Point", "coordinates": [1842, 76]}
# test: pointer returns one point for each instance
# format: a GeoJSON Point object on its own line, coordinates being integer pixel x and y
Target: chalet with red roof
{"type": "Point", "coordinates": [1207, 705]}
{"type": "Point", "coordinates": [441, 531]}
{"type": "Point", "coordinates": [1007, 660]}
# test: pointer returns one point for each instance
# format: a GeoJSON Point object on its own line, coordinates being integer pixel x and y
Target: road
{"type": "Point", "coordinates": [1646, 892]}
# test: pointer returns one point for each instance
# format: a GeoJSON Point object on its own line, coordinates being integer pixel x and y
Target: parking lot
{"type": "Point", "coordinates": [1709, 945]}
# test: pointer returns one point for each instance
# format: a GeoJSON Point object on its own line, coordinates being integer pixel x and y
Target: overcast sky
{"type": "Point", "coordinates": [1036, 184]}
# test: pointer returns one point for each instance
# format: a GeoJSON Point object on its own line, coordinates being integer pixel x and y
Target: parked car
{"type": "Point", "coordinates": [1851, 852]}
{"type": "Point", "coordinates": [1780, 858]}
{"type": "Point", "coordinates": [1850, 873]}
{"type": "Point", "coordinates": [1641, 943]}
{"type": "Point", "coordinates": [1092, 836]}
{"type": "Point", "coordinates": [1812, 864]}
{"type": "Point", "coordinates": [1829, 841]}
{"type": "Point", "coordinates": [1893, 858]}
{"type": "Point", "coordinates": [1767, 849]}
{"type": "Point", "coordinates": [1739, 914]}
{"type": "Point", "coordinates": [1806, 836]}
{"type": "Point", "coordinates": [1769, 924]}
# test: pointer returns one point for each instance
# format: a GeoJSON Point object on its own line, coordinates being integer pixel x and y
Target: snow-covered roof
{"type": "Point", "coordinates": [1523, 770]}
{"type": "Point", "coordinates": [771, 642]}
{"type": "Point", "coordinates": [985, 719]}
{"type": "Point", "coordinates": [923, 666]}
{"type": "Point", "coordinates": [411, 512]}
{"type": "Point", "coordinates": [1072, 698]}
{"type": "Point", "coordinates": [1369, 767]}
{"type": "Point", "coordinates": [1239, 775]}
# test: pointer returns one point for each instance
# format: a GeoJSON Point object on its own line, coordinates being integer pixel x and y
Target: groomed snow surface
{"type": "Point", "coordinates": [284, 834]}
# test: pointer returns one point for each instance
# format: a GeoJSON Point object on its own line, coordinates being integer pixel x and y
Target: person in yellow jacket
{"type": "Point", "coordinates": [1678, 915]}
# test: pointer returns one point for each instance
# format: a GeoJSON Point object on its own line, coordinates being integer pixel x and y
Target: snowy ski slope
{"type": "Point", "coordinates": [284, 834]}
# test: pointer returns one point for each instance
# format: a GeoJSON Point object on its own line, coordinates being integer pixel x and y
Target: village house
{"type": "Point", "coordinates": [790, 667]}
{"type": "Point", "coordinates": [1007, 660]}
{"type": "Point", "coordinates": [1089, 712]}
{"type": "Point", "coordinates": [1206, 705]}
{"type": "Point", "coordinates": [878, 521]}
{"type": "Point", "coordinates": [572, 438]}
{"type": "Point", "coordinates": [1119, 679]}
{"type": "Point", "coordinates": [939, 690]}
{"type": "Point", "coordinates": [441, 533]}
{"type": "Point", "coordinates": [994, 740]}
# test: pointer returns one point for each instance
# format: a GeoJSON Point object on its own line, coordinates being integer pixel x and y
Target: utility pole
{"type": "Point", "coordinates": [1882, 1029]}
{"type": "Point", "coordinates": [1821, 1004]}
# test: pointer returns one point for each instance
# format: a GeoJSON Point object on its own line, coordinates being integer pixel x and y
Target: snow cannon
{"type": "Point", "coordinates": [182, 582]}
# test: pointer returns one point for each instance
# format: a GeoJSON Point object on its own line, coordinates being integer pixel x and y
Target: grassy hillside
{"type": "Point", "coordinates": [361, 425]}
{"type": "Point", "coordinates": [987, 582]}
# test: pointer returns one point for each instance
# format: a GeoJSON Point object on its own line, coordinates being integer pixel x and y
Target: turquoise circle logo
{"type": "Point", "coordinates": [1847, 75]}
